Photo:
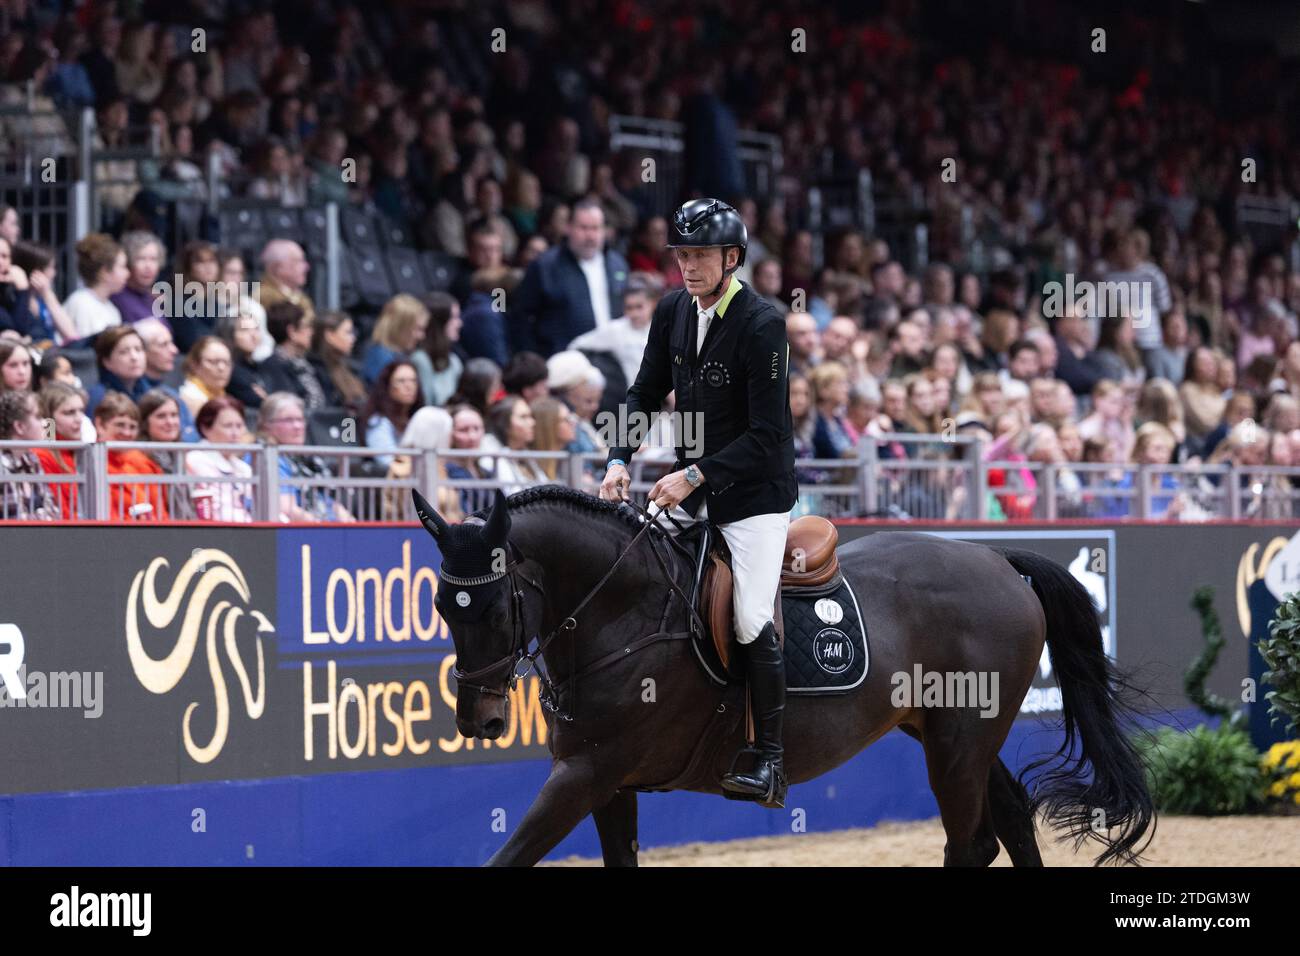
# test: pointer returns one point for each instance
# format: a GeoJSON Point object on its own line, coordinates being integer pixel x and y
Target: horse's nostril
{"type": "Point", "coordinates": [494, 728]}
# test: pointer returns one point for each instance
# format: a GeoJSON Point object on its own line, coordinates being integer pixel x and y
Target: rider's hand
{"type": "Point", "coordinates": [616, 485]}
{"type": "Point", "coordinates": [670, 490]}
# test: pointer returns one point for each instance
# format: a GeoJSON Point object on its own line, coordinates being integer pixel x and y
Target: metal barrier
{"type": "Point", "coordinates": [903, 476]}
{"type": "Point", "coordinates": [922, 476]}
{"type": "Point", "coordinates": [115, 174]}
{"type": "Point", "coordinates": [64, 186]}
{"type": "Point", "coordinates": [761, 161]}
{"type": "Point", "coordinates": [835, 204]}
{"type": "Point", "coordinates": [1267, 220]}
{"type": "Point", "coordinates": [840, 203]}
{"type": "Point", "coordinates": [658, 140]}
{"type": "Point", "coordinates": [41, 175]}
{"type": "Point", "coordinates": [664, 141]}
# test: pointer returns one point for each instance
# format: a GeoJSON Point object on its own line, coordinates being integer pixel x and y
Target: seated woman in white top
{"type": "Point", "coordinates": [221, 421]}
{"type": "Point", "coordinates": [514, 426]}
{"type": "Point", "coordinates": [101, 263]}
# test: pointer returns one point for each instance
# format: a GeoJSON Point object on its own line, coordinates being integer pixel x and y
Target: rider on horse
{"type": "Point", "coordinates": [723, 350]}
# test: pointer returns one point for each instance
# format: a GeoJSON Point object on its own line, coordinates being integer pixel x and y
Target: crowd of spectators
{"type": "Point", "coordinates": [1065, 177]}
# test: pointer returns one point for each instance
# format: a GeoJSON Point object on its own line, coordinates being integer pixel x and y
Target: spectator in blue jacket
{"type": "Point", "coordinates": [712, 160]}
{"type": "Point", "coordinates": [393, 400]}
{"type": "Point", "coordinates": [483, 333]}
{"type": "Point", "coordinates": [69, 81]}
{"type": "Point", "coordinates": [121, 354]}
{"type": "Point", "coordinates": [401, 327]}
{"type": "Point", "coordinates": [571, 289]}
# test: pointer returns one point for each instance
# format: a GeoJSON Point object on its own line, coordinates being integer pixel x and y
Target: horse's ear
{"type": "Point", "coordinates": [431, 520]}
{"type": "Point", "coordinates": [498, 523]}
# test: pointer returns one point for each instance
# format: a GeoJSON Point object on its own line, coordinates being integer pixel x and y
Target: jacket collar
{"type": "Point", "coordinates": [735, 300]}
{"type": "Point", "coordinates": [568, 251]}
{"type": "Point", "coordinates": [112, 383]}
{"type": "Point", "coordinates": [720, 307]}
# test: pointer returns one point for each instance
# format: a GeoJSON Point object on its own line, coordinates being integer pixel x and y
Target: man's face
{"type": "Point", "coordinates": [768, 279]}
{"type": "Point", "coordinates": [893, 401]}
{"type": "Point", "coordinates": [1042, 398]}
{"type": "Point", "coordinates": [1075, 328]}
{"type": "Point", "coordinates": [702, 267]}
{"type": "Point", "coordinates": [911, 340]}
{"type": "Point", "coordinates": [587, 232]}
{"type": "Point", "coordinates": [801, 331]}
{"type": "Point", "coordinates": [838, 337]}
{"type": "Point", "coordinates": [1025, 365]}
{"type": "Point", "coordinates": [160, 353]}
{"type": "Point", "coordinates": [292, 268]}
{"type": "Point", "coordinates": [485, 251]}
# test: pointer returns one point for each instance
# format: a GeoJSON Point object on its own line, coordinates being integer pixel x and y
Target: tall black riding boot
{"type": "Point", "coordinates": [765, 669]}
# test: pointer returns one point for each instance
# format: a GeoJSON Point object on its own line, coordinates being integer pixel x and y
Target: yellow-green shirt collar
{"type": "Point", "coordinates": [732, 288]}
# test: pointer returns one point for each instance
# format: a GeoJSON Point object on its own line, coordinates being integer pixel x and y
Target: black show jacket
{"type": "Point", "coordinates": [739, 386]}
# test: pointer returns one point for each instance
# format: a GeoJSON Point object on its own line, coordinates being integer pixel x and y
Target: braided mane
{"type": "Point", "coordinates": [570, 497]}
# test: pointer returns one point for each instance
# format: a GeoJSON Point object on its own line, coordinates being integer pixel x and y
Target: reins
{"type": "Point", "coordinates": [519, 645]}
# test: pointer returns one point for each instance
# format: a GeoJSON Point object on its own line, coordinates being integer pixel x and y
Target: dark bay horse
{"type": "Point", "coordinates": [635, 710]}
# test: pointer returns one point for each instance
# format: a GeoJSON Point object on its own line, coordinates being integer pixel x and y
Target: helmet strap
{"type": "Point", "coordinates": [725, 271]}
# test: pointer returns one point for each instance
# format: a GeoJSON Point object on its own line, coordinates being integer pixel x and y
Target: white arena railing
{"type": "Point", "coordinates": [903, 476]}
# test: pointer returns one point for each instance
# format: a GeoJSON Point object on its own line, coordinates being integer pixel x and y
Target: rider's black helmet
{"type": "Point", "coordinates": [708, 222]}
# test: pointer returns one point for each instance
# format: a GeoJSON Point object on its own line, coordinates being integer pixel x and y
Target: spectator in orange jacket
{"type": "Point", "coordinates": [118, 419]}
{"type": "Point", "coordinates": [65, 406]}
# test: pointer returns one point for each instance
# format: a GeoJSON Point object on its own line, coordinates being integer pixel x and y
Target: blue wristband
{"type": "Point", "coordinates": [615, 461]}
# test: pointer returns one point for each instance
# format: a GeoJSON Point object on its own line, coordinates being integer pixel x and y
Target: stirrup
{"type": "Point", "coordinates": [772, 798]}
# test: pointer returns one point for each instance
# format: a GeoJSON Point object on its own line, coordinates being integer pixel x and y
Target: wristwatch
{"type": "Point", "coordinates": [694, 477]}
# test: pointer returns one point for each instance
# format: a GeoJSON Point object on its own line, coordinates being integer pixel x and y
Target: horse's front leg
{"type": "Point", "coordinates": [570, 793]}
{"type": "Point", "coordinates": [616, 824]}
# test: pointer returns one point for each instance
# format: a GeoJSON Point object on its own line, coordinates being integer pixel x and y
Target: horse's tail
{"type": "Point", "coordinates": [1113, 807]}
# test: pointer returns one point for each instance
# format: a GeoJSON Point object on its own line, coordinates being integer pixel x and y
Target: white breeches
{"type": "Point", "coordinates": [757, 547]}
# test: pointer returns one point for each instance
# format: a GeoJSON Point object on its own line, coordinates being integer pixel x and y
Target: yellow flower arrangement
{"type": "Point", "coordinates": [1281, 764]}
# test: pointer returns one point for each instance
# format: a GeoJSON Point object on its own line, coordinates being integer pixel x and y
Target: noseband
{"type": "Point", "coordinates": [496, 671]}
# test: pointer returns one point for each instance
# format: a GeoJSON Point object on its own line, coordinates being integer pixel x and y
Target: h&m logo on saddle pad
{"type": "Point", "coordinates": [825, 639]}
{"type": "Point", "coordinates": [832, 650]}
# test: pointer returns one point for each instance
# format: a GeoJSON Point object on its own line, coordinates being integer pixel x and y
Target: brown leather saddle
{"type": "Point", "coordinates": [810, 560]}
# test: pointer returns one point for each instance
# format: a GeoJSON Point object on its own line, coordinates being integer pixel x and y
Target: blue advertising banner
{"type": "Point", "coordinates": [228, 695]}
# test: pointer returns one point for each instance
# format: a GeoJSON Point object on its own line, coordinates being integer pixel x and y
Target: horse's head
{"type": "Point", "coordinates": [476, 599]}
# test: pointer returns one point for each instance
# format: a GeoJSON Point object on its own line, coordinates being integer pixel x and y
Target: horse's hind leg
{"type": "Point", "coordinates": [616, 824]}
{"type": "Point", "coordinates": [1012, 818]}
{"type": "Point", "coordinates": [958, 767]}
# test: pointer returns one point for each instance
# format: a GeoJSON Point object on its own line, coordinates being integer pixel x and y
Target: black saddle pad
{"type": "Point", "coordinates": [825, 639]}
